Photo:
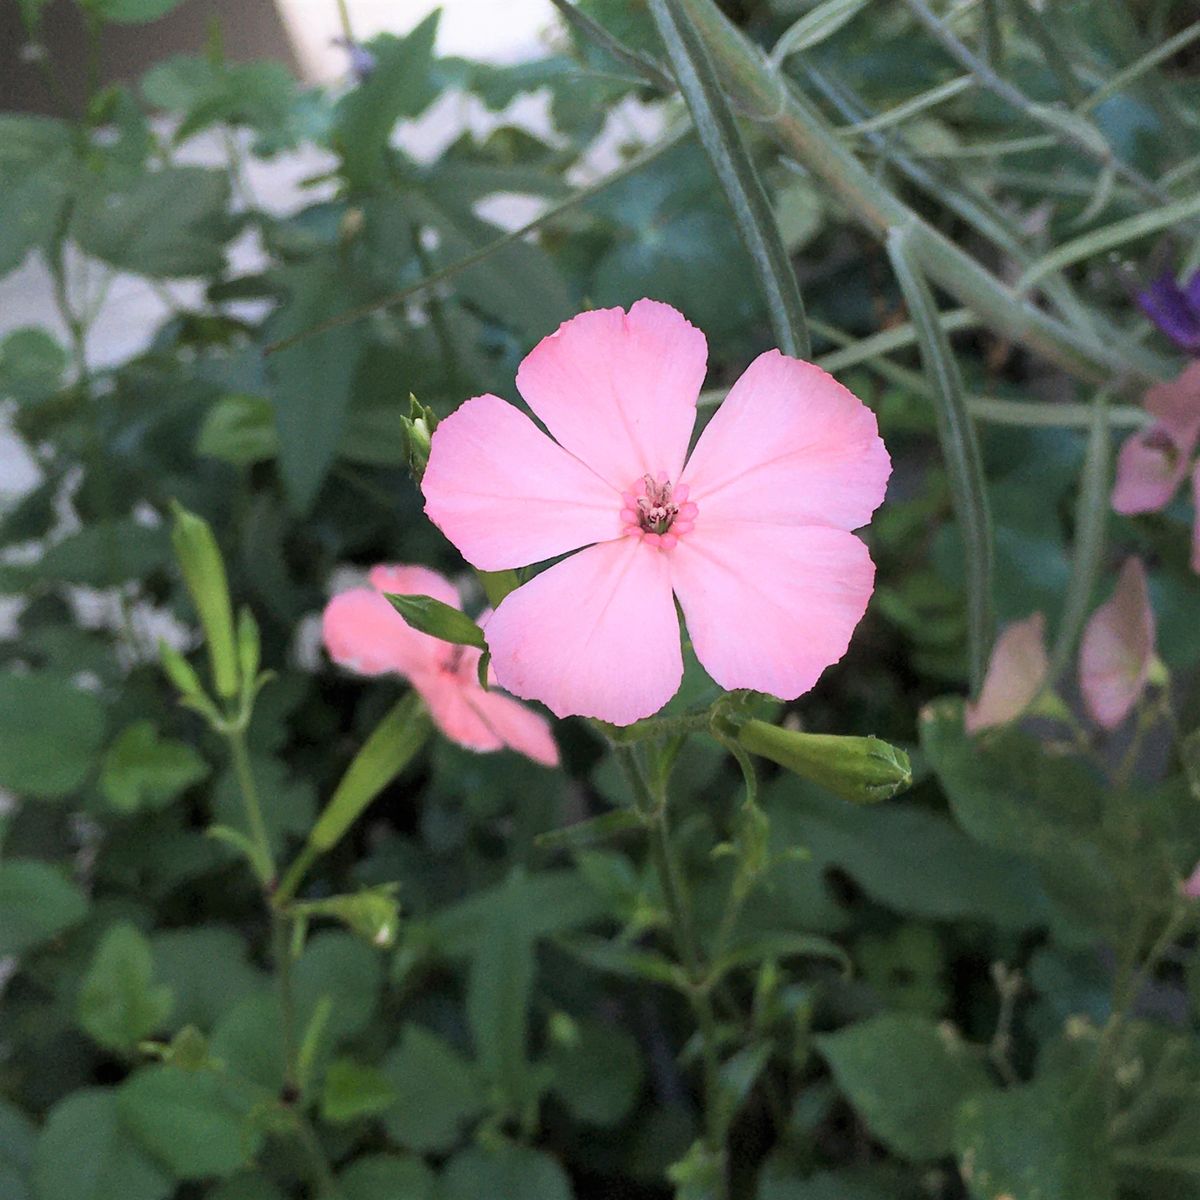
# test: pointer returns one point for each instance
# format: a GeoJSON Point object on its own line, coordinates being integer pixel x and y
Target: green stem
{"type": "Point", "coordinates": [281, 949]}
{"type": "Point", "coordinates": [652, 803]}
{"type": "Point", "coordinates": [799, 128]}
{"type": "Point", "coordinates": [250, 801]}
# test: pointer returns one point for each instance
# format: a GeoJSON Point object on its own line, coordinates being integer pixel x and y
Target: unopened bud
{"type": "Point", "coordinates": [204, 573]}
{"type": "Point", "coordinates": [863, 770]}
{"type": "Point", "coordinates": [418, 432]}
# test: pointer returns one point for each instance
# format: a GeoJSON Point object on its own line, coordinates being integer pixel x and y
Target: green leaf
{"type": "Point", "coordinates": [339, 966]}
{"type": "Point", "coordinates": [433, 1115]}
{"type": "Point", "coordinates": [906, 1076]}
{"type": "Point", "coordinates": [193, 1122]}
{"type": "Point", "coordinates": [50, 735]}
{"type": "Point", "coordinates": [143, 770]}
{"type": "Point", "coordinates": [387, 1177]}
{"type": "Point", "coordinates": [1007, 792]}
{"type": "Point", "coordinates": [960, 449]}
{"type": "Point", "coordinates": [588, 833]}
{"type": "Point", "coordinates": [393, 744]}
{"type": "Point", "coordinates": [628, 961]}
{"type": "Point", "coordinates": [17, 1139]}
{"type": "Point", "coordinates": [438, 619]}
{"type": "Point", "coordinates": [240, 430]}
{"type": "Point", "coordinates": [353, 1090]}
{"type": "Point", "coordinates": [131, 12]}
{"type": "Point", "coordinates": [166, 224]}
{"type": "Point", "coordinates": [401, 85]}
{"type": "Point", "coordinates": [597, 1072]}
{"type": "Point", "coordinates": [815, 27]}
{"type": "Point", "coordinates": [312, 377]}
{"type": "Point", "coordinates": [119, 1002]}
{"type": "Point", "coordinates": [106, 553]}
{"type": "Point", "coordinates": [32, 365]}
{"type": "Point", "coordinates": [37, 166]}
{"type": "Point", "coordinates": [1047, 1139]}
{"type": "Point", "coordinates": [904, 856]}
{"type": "Point", "coordinates": [36, 904]}
{"type": "Point", "coordinates": [499, 987]}
{"type": "Point", "coordinates": [769, 946]}
{"type": "Point", "coordinates": [508, 1170]}
{"type": "Point", "coordinates": [735, 170]}
{"type": "Point", "coordinates": [85, 1152]}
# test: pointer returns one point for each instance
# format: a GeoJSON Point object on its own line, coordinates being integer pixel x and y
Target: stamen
{"type": "Point", "coordinates": [661, 514]}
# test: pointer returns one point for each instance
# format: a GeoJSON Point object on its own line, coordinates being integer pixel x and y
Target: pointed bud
{"type": "Point", "coordinates": [204, 573]}
{"type": "Point", "coordinates": [863, 770]}
{"type": "Point", "coordinates": [438, 619]}
{"type": "Point", "coordinates": [249, 647]}
{"type": "Point", "coordinates": [418, 432]}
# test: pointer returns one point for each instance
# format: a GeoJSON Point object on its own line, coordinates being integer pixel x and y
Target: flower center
{"type": "Point", "coordinates": [656, 512]}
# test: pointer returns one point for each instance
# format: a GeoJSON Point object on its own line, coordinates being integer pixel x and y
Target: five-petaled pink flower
{"type": "Point", "coordinates": [1156, 460]}
{"type": "Point", "coordinates": [751, 532]}
{"type": "Point", "coordinates": [364, 632]}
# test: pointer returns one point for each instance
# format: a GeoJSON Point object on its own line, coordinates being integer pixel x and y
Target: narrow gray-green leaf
{"type": "Point", "coordinates": [591, 30]}
{"type": "Point", "coordinates": [960, 451]}
{"type": "Point", "coordinates": [815, 27]}
{"type": "Point", "coordinates": [1109, 237]}
{"type": "Point", "coordinates": [734, 167]}
{"type": "Point", "coordinates": [1091, 525]}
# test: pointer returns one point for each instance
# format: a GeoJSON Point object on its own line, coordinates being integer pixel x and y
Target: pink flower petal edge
{"type": "Point", "coordinates": [362, 631]}
{"type": "Point", "coordinates": [1118, 648]}
{"type": "Point", "coordinates": [1016, 673]}
{"type": "Point", "coordinates": [753, 534]}
{"type": "Point", "coordinates": [1191, 885]}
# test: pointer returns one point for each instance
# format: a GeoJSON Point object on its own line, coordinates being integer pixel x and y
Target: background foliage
{"type": "Point", "coordinates": [985, 988]}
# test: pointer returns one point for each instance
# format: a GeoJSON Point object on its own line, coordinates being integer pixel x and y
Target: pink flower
{"type": "Point", "coordinates": [363, 632]}
{"type": "Point", "coordinates": [1155, 461]}
{"type": "Point", "coordinates": [1191, 885]}
{"type": "Point", "coordinates": [751, 533]}
{"type": "Point", "coordinates": [1015, 675]}
{"type": "Point", "coordinates": [1118, 649]}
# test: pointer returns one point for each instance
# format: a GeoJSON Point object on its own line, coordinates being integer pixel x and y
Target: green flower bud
{"type": "Point", "coordinates": [204, 574]}
{"type": "Point", "coordinates": [418, 431]}
{"type": "Point", "coordinates": [862, 770]}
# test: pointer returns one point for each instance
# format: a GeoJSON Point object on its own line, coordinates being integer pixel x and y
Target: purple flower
{"type": "Point", "coordinates": [362, 61]}
{"type": "Point", "coordinates": [1174, 309]}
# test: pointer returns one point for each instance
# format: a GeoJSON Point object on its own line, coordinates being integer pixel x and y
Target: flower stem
{"type": "Point", "coordinates": [651, 801]}
{"type": "Point", "coordinates": [249, 789]}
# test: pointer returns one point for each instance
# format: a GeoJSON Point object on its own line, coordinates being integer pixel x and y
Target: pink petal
{"type": "Point", "coordinates": [1154, 461]}
{"type": "Point", "coordinates": [446, 698]}
{"type": "Point", "coordinates": [619, 391]}
{"type": "Point", "coordinates": [1150, 469]}
{"type": "Point", "coordinates": [364, 632]}
{"type": "Point", "coordinates": [789, 446]}
{"type": "Point", "coordinates": [1196, 518]}
{"type": "Point", "coordinates": [595, 635]}
{"type": "Point", "coordinates": [399, 580]}
{"type": "Point", "coordinates": [506, 495]}
{"type": "Point", "coordinates": [1176, 405]}
{"type": "Point", "coordinates": [1117, 649]}
{"type": "Point", "coordinates": [770, 607]}
{"type": "Point", "coordinates": [1191, 886]}
{"type": "Point", "coordinates": [1015, 675]}
{"type": "Point", "coordinates": [518, 727]}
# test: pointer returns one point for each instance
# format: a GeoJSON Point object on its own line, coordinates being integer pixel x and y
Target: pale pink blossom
{"type": "Point", "coordinates": [364, 632]}
{"type": "Point", "coordinates": [751, 533]}
{"type": "Point", "coordinates": [1156, 460]}
{"type": "Point", "coordinates": [1016, 674]}
{"type": "Point", "coordinates": [1191, 885]}
{"type": "Point", "coordinates": [1117, 651]}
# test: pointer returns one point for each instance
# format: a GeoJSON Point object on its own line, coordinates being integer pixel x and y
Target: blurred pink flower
{"type": "Point", "coordinates": [1155, 461]}
{"type": "Point", "coordinates": [752, 535]}
{"type": "Point", "coordinates": [1118, 649]}
{"type": "Point", "coordinates": [1015, 675]}
{"type": "Point", "coordinates": [363, 632]}
{"type": "Point", "coordinates": [1191, 885]}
